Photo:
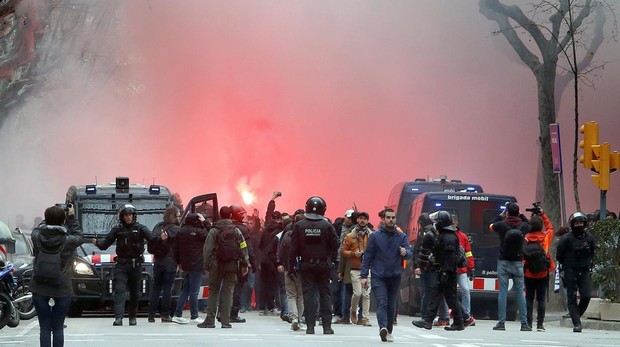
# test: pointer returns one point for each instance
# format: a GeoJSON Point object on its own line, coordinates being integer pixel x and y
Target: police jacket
{"type": "Point", "coordinates": [210, 249]}
{"type": "Point", "coordinates": [423, 248]}
{"type": "Point", "coordinates": [314, 241]}
{"type": "Point", "coordinates": [382, 256]}
{"type": "Point", "coordinates": [246, 235]}
{"type": "Point", "coordinates": [52, 238]}
{"type": "Point", "coordinates": [163, 251]}
{"type": "Point", "coordinates": [446, 250]}
{"type": "Point", "coordinates": [129, 241]}
{"type": "Point", "coordinates": [576, 252]}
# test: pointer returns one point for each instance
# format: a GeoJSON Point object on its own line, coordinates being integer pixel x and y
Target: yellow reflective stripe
{"type": "Point", "coordinates": [243, 245]}
{"type": "Point", "coordinates": [469, 254]}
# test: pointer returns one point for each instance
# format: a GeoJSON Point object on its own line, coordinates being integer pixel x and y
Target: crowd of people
{"type": "Point", "coordinates": [308, 269]}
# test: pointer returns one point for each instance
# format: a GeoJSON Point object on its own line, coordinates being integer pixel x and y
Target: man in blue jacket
{"type": "Point", "coordinates": [387, 249]}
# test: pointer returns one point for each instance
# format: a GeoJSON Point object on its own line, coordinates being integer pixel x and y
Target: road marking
{"type": "Point", "coordinates": [28, 328]}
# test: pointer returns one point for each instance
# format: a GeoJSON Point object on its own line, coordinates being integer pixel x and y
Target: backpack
{"type": "Point", "coordinates": [513, 245]}
{"type": "Point", "coordinates": [535, 257]}
{"type": "Point", "coordinates": [227, 244]}
{"type": "Point", "coordinates": [47, 266]}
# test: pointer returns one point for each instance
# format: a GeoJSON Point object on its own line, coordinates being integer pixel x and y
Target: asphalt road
{"type": "Point", "coordinates": [271, 331]}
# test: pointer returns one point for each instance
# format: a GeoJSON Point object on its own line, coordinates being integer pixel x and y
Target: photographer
{"type": "Point", "coordinates": [537, 264]}
{"type": "Point", "coordinates": [353, 248]}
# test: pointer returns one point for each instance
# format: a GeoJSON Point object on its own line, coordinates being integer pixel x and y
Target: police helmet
{"type": "Point", "coordinates": [578, 216]}
{"type": "Point", "coordinates": [237, 212]}
{"type": "Point", "coordinates": [444, 221]}
{"type": "Point", "coordinates": [425, 219]}
{"type": "Point", "coordinates": [127, 209]}
{"type": "Point", "coordinates": [315, 208]}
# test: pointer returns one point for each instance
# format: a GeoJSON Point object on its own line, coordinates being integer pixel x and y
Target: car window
{"type": "Point", "coordinates": [22, 246]}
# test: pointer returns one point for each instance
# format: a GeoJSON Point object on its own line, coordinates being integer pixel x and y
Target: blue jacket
{"type": "Point", "coordinates": [382, 255]}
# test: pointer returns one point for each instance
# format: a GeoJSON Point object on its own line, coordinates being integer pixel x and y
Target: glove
{"type": "Point", "coordinates": [471, 275]}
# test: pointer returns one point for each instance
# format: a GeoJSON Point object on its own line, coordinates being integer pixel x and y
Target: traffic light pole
{"type": "Point", "coordinates": [603, 205]}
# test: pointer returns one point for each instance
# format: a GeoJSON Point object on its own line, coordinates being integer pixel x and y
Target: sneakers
{"type": "Point", "coordinates": [180, 320]}
{"type": "Point", "coordinates": [440, 323]}
{"type": "Point", "coordinates": [525, 327]}
{"type": "Point", "coordinates": [540, 327]}
{"type": "Point", "coordinates": [342, 320]}
{"type": "Point", "coordinates": [383, 333]}
{"type": "Point", "coordinates": [389, 338]}
{"type": "Point", "coordinates": [166, 319]}
{"type": "Point", "coordinates": [471, 322]}
{"type": "Point", "coordinates": [151, 319]}
{"type": "Point", "coordinates": [133, 321]}
{"type": "Point", "coordinates": [365, 322]}
{"type": "Point", "coordinates": [295, 326]}
{"type": "Point", "coordinates": [353, 317]}
{"type": "Point", "coordinates": [237, 320]}
{"type": "Point", "coordinates": [197, 320]}
{"type": "Point", "coordinates": [577, 328]}
{"type": "Point", "coordinates": [226, 326]}
{"type": "Point", "coordinates": [118, 322]}
{"type": "Point", "coordinates": [500, 326]}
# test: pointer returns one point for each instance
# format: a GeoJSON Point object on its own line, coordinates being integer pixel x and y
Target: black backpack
{"type": "Point", "coordinates": [227, 244]}
{"type": "Point", "coordinates": [513, 245]}
{"type": "Point", "coordinates": [47, 266]}
{"type": "Point", "coordinates": [535, 257]}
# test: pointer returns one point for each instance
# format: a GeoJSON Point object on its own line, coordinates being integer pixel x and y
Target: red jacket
{"type": "Point", "coordinates": [464, 241]}
{"type": "Point", "coordinates": [544, 238]}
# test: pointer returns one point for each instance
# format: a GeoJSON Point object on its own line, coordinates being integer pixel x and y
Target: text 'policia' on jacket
{"type": "Point", "coordinates": [96, 208]}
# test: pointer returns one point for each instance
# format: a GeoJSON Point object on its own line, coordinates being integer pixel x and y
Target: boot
{"type": "Point", "coordinates": [118, 322]}
{"type": "Point", "coordinates": [310, 329]}
{"type": "Point", "coordinates": [133, 321]}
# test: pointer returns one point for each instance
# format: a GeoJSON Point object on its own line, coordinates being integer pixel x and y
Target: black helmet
{"type": "Point", "coordinates": [127, 209]}
{"type": "Point", "coordinates": [237, 212]}
{"type": "Point", "coordinates": [315, 208]}
{"type": "Point", "coordinates": [577, 216]}
{"type": "Point", "coordinates": [424, 219]}
{"type": "Point", "coordinates": [444, 221]}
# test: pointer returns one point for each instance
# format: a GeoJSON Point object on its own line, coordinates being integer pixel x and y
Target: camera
{"type": "Point", "coordinates": [536, 209]}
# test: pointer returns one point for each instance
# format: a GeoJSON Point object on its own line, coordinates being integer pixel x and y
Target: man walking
{"type": "Point", "coordinates": [386, 251]}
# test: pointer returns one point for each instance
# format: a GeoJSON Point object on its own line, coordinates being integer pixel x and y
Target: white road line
{"type": "Point", "coordinates": [28, 328]}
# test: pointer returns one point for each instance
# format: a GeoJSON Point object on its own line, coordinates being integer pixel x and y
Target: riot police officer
{"type": "Point", "coordinates": [130, 237]}
{"type": "Point", "coordinates": [575, 254]}
{"type": "Point", "coordinates": [238, 214]}
{"type": "Point", "coordinates": [314, 240]}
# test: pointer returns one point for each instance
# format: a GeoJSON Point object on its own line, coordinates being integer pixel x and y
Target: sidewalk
{"type": "Point", "coordinates": [558, 319]}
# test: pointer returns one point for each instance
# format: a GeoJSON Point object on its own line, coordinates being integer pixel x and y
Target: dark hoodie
{"type": "Point", "coordinates": [50, 238]}
{"type": "Point", "coordinates": [510, 222]}
{"type": "Point", "coordinates": [189, 244]}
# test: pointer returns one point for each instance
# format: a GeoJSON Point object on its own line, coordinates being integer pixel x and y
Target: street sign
{"type": "Point", "coordinates": [556, 149]}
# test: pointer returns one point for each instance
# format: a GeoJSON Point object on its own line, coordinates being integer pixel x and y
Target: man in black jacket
{"type": "Point", "coordinates": [238, 215]}
{"type": "Point", "coordinates": [188, 253]}
{"type": "Point", "coordinates": [165, 265]}
{"type": "Point", "coordinates": [130, 237]}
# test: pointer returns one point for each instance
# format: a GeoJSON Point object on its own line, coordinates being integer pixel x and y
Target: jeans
{"type": "Point", "coordinates": [163, 279]}
{"type": "Point", "coordinates": [336, 288]}
{"type": "Point", "coordinates": [507, 270]}
{"type": "Point", "coordinates": [246, 293]}
{"type": "Point", "coordinates": [385, 290]}
{"type": "Point", "coordinates": [428, 278]}
{"type": "Point", "coordinates": [463, 281]}
{"type": "Point", "coordinates": [346, 293]}
{"type": "Point", "coordinates": [191, 286]}
{"type": "Point", "coordinates": [51, 319]}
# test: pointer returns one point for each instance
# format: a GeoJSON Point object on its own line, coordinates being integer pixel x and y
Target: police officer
{"type": "Point", "coordinates": [130, 237]}
{"type": "Point", "coordinates": [238, 214]}
{"type": "Point", "coordinates": [314, 240]}
{"type": "Point", "coordinates": [575, 254]}
{"type": "Point", "coordinates": [445, 253]}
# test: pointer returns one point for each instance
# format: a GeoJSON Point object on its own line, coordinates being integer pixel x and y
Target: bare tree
{"type": "Point", "coordinates": [556, 42]}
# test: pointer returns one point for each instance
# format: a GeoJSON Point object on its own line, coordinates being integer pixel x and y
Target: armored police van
{"type": "Point", "coordinates": [96, 208]}
{"type": "Point", "coordinates": [403, 194]}
{"type": "Point", "coordinates": [475, 212]}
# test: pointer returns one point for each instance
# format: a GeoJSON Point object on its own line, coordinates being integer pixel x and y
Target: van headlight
{"type": "Point", "coordinates": [82, 268]}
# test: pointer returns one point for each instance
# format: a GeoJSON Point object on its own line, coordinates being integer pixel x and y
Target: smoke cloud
{"type": "Point", "coordinates": [338, 99]}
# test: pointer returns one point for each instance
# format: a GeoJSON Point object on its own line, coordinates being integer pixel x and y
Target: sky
{"type": "Point", "coordinates": [341, 99]}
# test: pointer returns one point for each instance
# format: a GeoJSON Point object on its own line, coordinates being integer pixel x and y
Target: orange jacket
{"type": "Point", "coordinates": [352, 243]}
{"type": "Point", "coordinates": [544, 238]}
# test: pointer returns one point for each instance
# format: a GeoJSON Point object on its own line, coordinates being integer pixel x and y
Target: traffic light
{"type": "Point", "coordinates": [600, 164]}
{"type": "Point", "coordinates": [590, 138]}
{"type": "Point", "coordinates": [614, 161]}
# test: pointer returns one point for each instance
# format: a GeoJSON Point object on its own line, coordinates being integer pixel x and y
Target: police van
{"type": "Point", "coordinates": [403, 193]}
{"type": "Point", "coordinates": [475, 212]}
{"type": "Point", "coordinates": [96, 208]}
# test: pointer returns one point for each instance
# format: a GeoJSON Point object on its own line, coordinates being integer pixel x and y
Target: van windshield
{"type": "Point", "coordinates": [100, 216]}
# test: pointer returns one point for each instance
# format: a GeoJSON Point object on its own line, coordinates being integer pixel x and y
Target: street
{"type": "Point", "coordinates": [271, 331]}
